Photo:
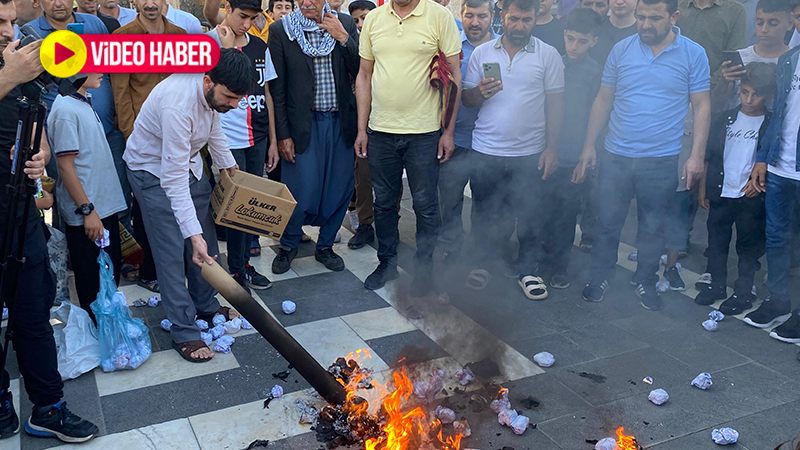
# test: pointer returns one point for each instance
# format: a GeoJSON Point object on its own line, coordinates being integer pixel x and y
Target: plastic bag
{"type": "Point", "coordinates": [77, 347]}
{"type": "Point", "coordinates": [57, 250]}
{"type": "Point", "coordinates": [120, 348]}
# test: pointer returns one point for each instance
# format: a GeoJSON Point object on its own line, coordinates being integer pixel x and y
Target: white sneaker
{"type": "Point", "coordinates": [353, 216]}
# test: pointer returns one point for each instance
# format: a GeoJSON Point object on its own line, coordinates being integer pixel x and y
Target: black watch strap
{"type": "Point", "coordinates": [85, 209]}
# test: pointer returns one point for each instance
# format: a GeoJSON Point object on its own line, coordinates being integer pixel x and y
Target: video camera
{"type": "Point", "coordinates": [45, 81]}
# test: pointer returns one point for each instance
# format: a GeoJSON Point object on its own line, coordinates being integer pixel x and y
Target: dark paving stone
{"type": "Point", "coordinates": [258, 360]}
{"type": "Point", "coordinates": [696, 350]}
{"type": "Point", "coordinates": [768, 429]}
{"type": "Point", "coordinates": [82, 399]}
{"type": "Point", "coordinates": [623, 375]}
{"type": "Point", "coordinates": [491, 435]}
{"type": "Point", "coordinates": [566, 352]}
{"type": "Point", "coordinates": [304, 250]}
{"type": "Point", "coordinates": [306, 441]}
{"type": "Point", "coordinates": [554, 399]}
{"type": "Point", "coordinates": [325, 305]}
{"type": "Point", "coordinates": [414, 346]}
{"type": "Point", "coordinates": [698, 441]}
{"type": "Point", "coordinates": [604, 341]}
{"type": "Point", "coordinates": [646, 325]}
{"type": "Point", "coordinates": [159, 339]}
{"type": "Point", "coordinates": [169, 401]}
{"type": "Point", "coordinates": [330, 283]}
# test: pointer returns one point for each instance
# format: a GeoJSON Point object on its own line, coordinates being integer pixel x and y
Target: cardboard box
{"type": "Point", "coordinates": [252, 204]}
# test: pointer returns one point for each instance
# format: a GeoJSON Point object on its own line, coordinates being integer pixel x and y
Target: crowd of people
{"type": "Point", "coordinates": [551, 115]}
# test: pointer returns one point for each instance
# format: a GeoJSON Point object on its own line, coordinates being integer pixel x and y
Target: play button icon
{"type": "Point", "coordinates": [63, 53]}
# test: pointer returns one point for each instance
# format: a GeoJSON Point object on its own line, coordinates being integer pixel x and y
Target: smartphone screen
{"type": "Point", "coordinates": [734, 57]}
{"type": "Point", "coordinates": [76, 28]}
{"type": "Point", "coordinates": [492, 70]}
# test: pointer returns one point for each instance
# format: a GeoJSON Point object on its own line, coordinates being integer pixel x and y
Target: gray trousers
{"type": "Point", "coordinates": [173, 254]}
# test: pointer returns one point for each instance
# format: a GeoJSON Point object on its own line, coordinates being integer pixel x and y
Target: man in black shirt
{"type": "Point", "coordinates": [548, 28]}
{"type": "Point", "coordinates": [616, 27]}
{"type": "Point", "coordinates": [29, 310]}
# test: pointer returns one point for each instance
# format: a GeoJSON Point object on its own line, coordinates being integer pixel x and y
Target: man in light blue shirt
{"type": "Point", "coordinates": [476, 15]}
{"type": "Point", "coordinates": [650, 79]}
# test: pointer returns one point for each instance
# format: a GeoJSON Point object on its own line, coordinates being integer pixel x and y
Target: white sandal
{"type": "Point", "coordinates": [478, 280]}
{"type": "Point", "coordinates": [533, 287]}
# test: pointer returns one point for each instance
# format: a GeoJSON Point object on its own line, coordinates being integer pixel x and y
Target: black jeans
{"type": "Point", "coordinates": [388, 154]}
{"type": "Point", "coordinates": [453, 177]}
{"type": "Point", "coordinates": [560, 206]}
{"type": "Point", "coordinates": [83, 254]}
{"type": "Point", "coordinates": [506, 191]}
{"type": "Point", "coordinates": [652, 181]}
{"type": "Point", "coordinates": [750, 217]}
{"type": "Point", "coordinates": [30, 316]}
{"type": "Point", "coordinates": [250, 160]}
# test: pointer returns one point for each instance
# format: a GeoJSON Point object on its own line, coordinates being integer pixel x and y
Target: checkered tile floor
{"type": "Point", "coordinates": [170, 404]}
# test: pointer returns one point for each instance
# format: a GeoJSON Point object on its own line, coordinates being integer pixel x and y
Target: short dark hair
{"type": "Point", "coordinates": [245, 5]}
{"type": "Point", "coordinates": [583, 20]}
{"type": "Point", "coordinates": [771, 6]}
{"type": "Point", "coordinates": [272, 3]}
{"type": "Point", "coordinates": [761, 77]}
{"type": "Point", "coordinates": [672, 5]}
{"type": "Point", "coordinates": [792, 4]}
{"type": "Point", "coordinates": [233, 71]}
{"type": "Point", "coordinates": [522, 5]}
{"type": "Point", "coordinates": [476, 4]}
{"type": "Point", "coordinates": [361, 4]}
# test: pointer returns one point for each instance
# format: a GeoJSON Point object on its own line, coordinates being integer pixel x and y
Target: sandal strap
{"type": "Point", "coordinates": [190, 347]}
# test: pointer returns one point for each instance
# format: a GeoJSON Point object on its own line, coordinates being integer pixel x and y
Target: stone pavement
{"type": "Point", "coordinates": [602, 351]}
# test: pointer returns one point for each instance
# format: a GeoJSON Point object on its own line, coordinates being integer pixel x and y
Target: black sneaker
{"type": "Point", "coordinates": [451, 258]}
{"type": "Point", "coordinates": [559, 280]}
{"type": "Point", "coordinates": [594, 291]}
{"type": "Point", "coordinates": [239, 278]}
{"type": "Point", "coordinates": [736, 305]}
{"type": "Point", "coordinates": [383, 273]}
{"type": "Point", "coordinates": [674, 278]}
{"type": "Point", "coordinates": [365, 234]}
{"type": "Point", "coordinates": [254, 279]}
{"type": "Point", "coordinates": [710, 295]}
{"type": "Point", "coordinates": [330, 259]}
{"type": "Point", "coordinates": [283, 260]}
{"type": "Point", "coordinates": [649, 298]}
{"type": "Point", "coordinates": [422, 284]}
{"type": "Point", "coordinates": [57, 421]}
{"type": "Point", "coordinates": [769, 313]}
{"type": "Point", "coordinates": [789, 331]}
{"type": "Point", "coordinates": [9, 422]}
{"type": "Point", "coordinates": [636, 279]}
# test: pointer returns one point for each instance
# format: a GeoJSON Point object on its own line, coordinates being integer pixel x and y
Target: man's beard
{"type": "Point", "coordinates": [518, 38]}
{"type": "Point", "coordinates": [653, 38]}
{"type": "Point", "coordinates": [212, 103]}
{"type": "Point", "coordinates": [3, 44]}
{"type": "Point", "coordinates": [471, 33]}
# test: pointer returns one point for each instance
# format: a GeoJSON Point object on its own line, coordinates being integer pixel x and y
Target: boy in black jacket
{"type": "Point", "coordinates": [728, 194]}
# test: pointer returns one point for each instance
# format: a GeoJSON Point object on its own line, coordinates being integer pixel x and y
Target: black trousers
{"type": "Point", "coordinates": [749, 216]}
{"type": "Point", "coordinates": [83, 253]}
{"type": "Point", "coordinates": [561, 203]}
{"type": "Point", "coordinates": [30, 318]}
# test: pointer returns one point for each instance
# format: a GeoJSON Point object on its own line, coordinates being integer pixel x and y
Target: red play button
{"type": "Point", "coordinates": [62, 53]}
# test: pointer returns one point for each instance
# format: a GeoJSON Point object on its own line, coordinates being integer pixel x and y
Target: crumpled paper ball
{"type": "Point", "coordinates": [711, 325]}
{"type": "Point", "coordinates": [152, 301]}
{"type": "Point", "coordinates": [658, 396]}
{"type": "Point", "coordinates": [104, 240]}
{"type": "Point", "coordinates": [224, 344]}
{"type": "Point", "coordinates": [276, 391]}
{"type": "Point", "coordinates": [702, 381]}
{"type": "Point", "coordinates": [219, 319]}
{"type": "Point", "coordinates": [288, 307]}
{"type": "Point", "coordinates": [217, 331]}
{"type": "Point", "coordinates": [245, 324]}
{"type": "Point", "coordinates": [133, 330]}
{"type": "Point", "coordinates": [544, 359]}
{"type": "Point", "coordinates": [520, 424]}
{"type": "Point", "coordinates": [206, 337]}
{"type": "Point", "coordinates": [462, 426]}
{"type": "Point", "coordinates": [121, 357]}
{"type": "Point", "coordinates": [464, 376]}
{"type": "Point", "coordinates": [662, 286]}
{"type": "Point", "coordinates": [202, 324]}
{"type": "Point", "coordinates": [445, 415]}
{"type": "Point", "coordinates": [606, 444]}
{"type": "Point", "coordinates": [507, 416]}
{"type": "Point", "coordinates": [725, 436]}
{"type": "Point", "coordinates": [233, 326]}
{"type": "Point", "coordinates": [166, 325]}
{"type": "Point", "coordinates": [716, 316]}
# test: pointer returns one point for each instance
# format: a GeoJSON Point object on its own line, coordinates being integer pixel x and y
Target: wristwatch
{"type": "Point", "coordinates": [85, 209]}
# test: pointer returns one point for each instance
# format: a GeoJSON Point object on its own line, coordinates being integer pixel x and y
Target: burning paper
{"type": "Point", "coordinates": [465, 376]}
{"type": "Point", "coordinates": [425, 392]}
{"type": "Point", "coordinates": [445, 415]}
{"type": "Point", "coordinates": [606, 444]}
{"type": "Point", "coordinates": [462, 427]}
{"type": "Point", "coordinates": [626, 442]}
{"type": "Point", "coordinates": [502, 403]}
{"type": "Point", "coordinates": [308, 413]}
{"type": "Point", "coordinates": [725, 436]}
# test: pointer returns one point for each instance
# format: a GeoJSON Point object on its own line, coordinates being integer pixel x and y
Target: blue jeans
{"type": "Point", "coordinates": [652, 181]}
{"type": "Point", "coordinates": [388, 154]}
{"type": "Point", "coordinates": [782, 196]}
{"type": "Point", "coordinates": [250, 160]}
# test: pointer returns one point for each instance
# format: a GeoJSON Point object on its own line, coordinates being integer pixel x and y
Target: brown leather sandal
{"type": "Point", "coordinates": [224, 310]}
{"type": "Point", "coordinates": [185, 349]}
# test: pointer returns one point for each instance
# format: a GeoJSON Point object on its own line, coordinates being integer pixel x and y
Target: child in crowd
{"type": "Point", "coordinates": [358, 11]}
{"type": "Point", "coordinates": [88, 193]}
{"type": "Point", "coordinates": [562, 197]}
{"type": "Point", "coordinates": [279, 8]}
{"type": "Point", "coordinates": [728, 195]}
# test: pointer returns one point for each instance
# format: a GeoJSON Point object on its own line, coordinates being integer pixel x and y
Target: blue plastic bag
{"type": "Point", "coordinates": [124, 340]}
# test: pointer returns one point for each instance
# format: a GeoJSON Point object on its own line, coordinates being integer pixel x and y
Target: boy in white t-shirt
{"type": "Point", "coordinates": [729, 196]}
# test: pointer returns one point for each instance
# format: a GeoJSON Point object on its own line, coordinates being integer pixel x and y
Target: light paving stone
{"type": "Point", "coordinates": [329, 339]}
{"type": "Point", "coordinates": [172, 435]}
{"type": "Point", "coordinates": [378, 323]}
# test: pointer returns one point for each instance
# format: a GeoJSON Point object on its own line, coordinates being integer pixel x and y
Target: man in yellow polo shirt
{"type": "Point", "coordinates": [400, 124]}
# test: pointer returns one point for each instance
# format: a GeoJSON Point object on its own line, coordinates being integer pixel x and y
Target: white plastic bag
{"type": "Point", "coordinates": [57, 250]}
{"type": "Point", "coordinates": [77, 346]}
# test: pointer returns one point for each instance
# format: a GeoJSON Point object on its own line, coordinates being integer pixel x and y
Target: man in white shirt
{"type": "Point", "coordinates": [165, 169]}
{"type": "Point", "coordinates": [123, 15]}
{"type": "Point", "coordinates": [515, 138]}
{"type": "Point", "coordinates": [184, 20]}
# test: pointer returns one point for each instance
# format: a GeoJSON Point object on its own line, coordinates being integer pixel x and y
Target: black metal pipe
{"type": "Point", "coordinates": [319, 378]}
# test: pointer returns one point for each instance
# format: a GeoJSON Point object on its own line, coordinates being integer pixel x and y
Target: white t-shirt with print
{"type": "Point", "coordinates": [739, 157]}
{"type": "Point", "coordinates": [748, 55]}
{"type": "Point", "coordinates": [787, 164]}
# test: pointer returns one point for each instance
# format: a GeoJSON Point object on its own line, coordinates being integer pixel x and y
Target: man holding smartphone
{"type": "Point", "coordinates": [514, 151]}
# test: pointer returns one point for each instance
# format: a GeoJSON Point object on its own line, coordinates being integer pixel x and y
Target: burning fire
{"type": "Point", "coordinates": [626, 442]}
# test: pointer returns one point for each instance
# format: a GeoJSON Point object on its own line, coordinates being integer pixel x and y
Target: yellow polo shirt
{"type": "Point", "coordinates": [403, 101]}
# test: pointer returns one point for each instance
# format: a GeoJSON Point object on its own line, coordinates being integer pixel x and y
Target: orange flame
{"type": "Point", "coordinates": [626, 442]}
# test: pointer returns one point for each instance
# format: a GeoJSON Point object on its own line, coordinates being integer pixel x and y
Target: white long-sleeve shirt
{"type": "Point", "coordinates": [174, 123]}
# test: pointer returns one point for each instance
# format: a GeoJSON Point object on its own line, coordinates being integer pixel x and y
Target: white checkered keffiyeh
{"type": "Point", "coordinates": [324, 83]}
